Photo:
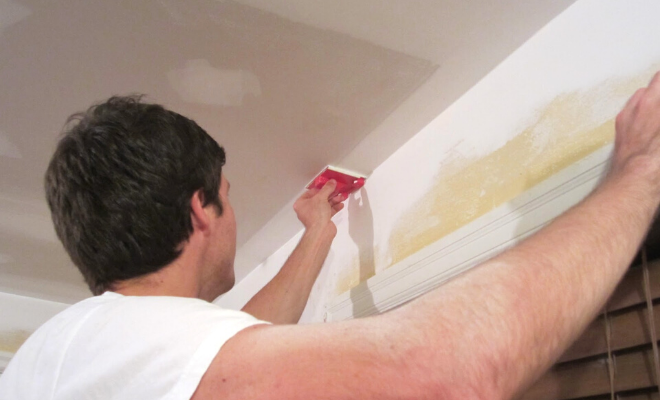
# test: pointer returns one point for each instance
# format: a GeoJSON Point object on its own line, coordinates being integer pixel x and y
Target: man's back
{"type": "Point", "coordinates": [113, 346]}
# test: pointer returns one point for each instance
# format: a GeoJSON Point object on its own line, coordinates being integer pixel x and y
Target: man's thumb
{"type": "Point", "coordinates": [328, 188]}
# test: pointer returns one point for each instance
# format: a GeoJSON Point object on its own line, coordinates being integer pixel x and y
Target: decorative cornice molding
{"type": "Point", "coordinates": [473, 243]}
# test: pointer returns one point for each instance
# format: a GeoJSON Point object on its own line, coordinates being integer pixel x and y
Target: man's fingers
{"type": "Point", "coordinates": [634, 100]}
{"type": "Point", "coordinates": [337, 199]}
{"type": "Point", "coordinates": [336, 208]}
{"type": "Point", "coordinates": [655, 82]}
{"type": "Point", "coordinates": [309, 193]}
{"type": "Point", "coordinates": [653, 91]}
{"type": "Point", "coordinates": [627, 112]}
{"type": "Point", "coordinates": [638, 125]}
{"type": "Point", "coordinates": [652, 94]}
{"type": "Point", "coordinates": [328, 188]}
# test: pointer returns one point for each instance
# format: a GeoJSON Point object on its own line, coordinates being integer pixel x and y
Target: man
{"type": "Point", "coordinates": [487, 334]}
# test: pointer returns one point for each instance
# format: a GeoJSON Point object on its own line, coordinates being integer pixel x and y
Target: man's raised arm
{"type": "Point", "coordinates": [486, 334]}
{"type": "Point", "coordinates": [283, 299]}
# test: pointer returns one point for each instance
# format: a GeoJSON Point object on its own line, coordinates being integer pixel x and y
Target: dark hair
{"type": "Point", "coordinates": [120, 183]}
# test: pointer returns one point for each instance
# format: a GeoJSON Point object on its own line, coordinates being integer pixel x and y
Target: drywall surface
{"type": "Point", "coordinates": [548, 105]}
{"type": "Point", "coordinates": [269, 89]}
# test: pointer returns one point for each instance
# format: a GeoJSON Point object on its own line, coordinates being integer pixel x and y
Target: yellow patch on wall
{"type": "Point", "coordinates": [10, 341]}
{"type": "Point", "coordinates": [465, 189]}
{"type": "Point", "coordinates": [362, 268]}
{"type": "Point", "coordinates": [348, 278]}
{"type": "Point", "coordinates": [561, 136]}
{"type": "Point", "coordinates": [488, 183]}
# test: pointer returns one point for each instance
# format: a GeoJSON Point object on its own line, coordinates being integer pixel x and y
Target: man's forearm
{"type": "Point", "coordinates": [490, 332]}
{"type": "Point", "coordinates": [511, 318]}
{"type": "Point", "coordinates": [283, 299]}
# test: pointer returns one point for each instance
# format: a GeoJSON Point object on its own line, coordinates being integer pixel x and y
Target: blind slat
{"type": "Point", "coordinates": [590, 378]}
{"type": "Point", "coordinates": [647, 396]}
{"type": "Point", "coordinates": [628, 329]}
{"type": "Point", "coordinates": [631, 289]}
{"type": "Point", "coordinates": [623, 336]}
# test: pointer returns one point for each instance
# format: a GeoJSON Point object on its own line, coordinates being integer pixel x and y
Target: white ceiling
{"type": "Point", "coordinates": [286, 86]}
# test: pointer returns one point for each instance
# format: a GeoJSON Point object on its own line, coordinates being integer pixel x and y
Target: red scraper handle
{"type": "Point", "coordinates": [346, 183]}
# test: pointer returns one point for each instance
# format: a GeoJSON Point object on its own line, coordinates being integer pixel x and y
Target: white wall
{"type": "Point", "coordinates": [547, 106]}
{"type": "Point", "coordinates": [20, 317]}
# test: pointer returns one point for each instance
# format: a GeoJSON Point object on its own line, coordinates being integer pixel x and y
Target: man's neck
{"type": "Point", "coordinates": [177, 279]}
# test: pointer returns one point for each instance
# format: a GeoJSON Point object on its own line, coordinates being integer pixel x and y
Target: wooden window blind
{"type": "Point", "coordinates": [617, 356]}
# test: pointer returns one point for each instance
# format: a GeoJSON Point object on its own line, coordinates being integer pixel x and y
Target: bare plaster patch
{"type": "Point", "coordinates": [12, 12]}
{"type": "Point", "coordinates": [7, 147]}
{"type": "Point", "coordinates": [192, 13]}
{"type": "Point", "coordinates": [200, 83]}
{"type": "Point", "coordinates": [26, 217]}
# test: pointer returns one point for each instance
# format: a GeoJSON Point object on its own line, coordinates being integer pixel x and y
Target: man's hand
{"type": "Point", "coordinates": [283, 300]}
{"type": "Point", "coordinates": [637, 143]}
{"type": "Point", "coordinates": [315, 208]}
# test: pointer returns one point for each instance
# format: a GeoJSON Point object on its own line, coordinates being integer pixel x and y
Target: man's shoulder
{"type": "Point", "coordinates": [112, 338]}
{"type": "Point", "coordinates": [113, 317]}
{"type": "Point", "coordinates": [139, 313]}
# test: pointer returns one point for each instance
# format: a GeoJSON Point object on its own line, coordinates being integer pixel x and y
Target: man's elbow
{"type": "Point", "coordinates": [456, 380]}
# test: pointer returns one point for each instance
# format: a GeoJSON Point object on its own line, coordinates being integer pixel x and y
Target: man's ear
{"type": "Point", "coordinates": [199, 217]}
